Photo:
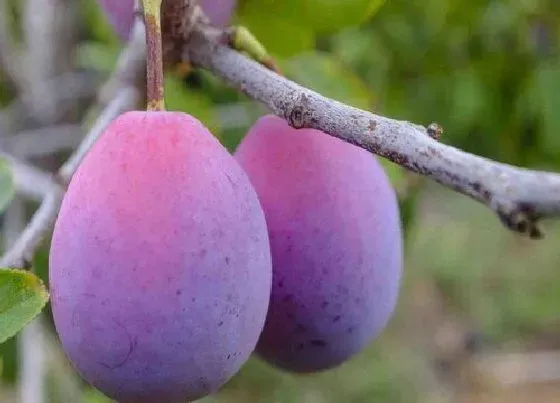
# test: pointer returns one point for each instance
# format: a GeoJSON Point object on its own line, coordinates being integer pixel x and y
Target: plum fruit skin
{"type": "Point", "coordinates": [120, 13]}
{"type": "Point", "coordinates": [336, 242]}
{"type": "Point", "coordinates": [160, 266]}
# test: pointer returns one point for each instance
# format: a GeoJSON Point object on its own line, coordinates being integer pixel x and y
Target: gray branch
{"type": "Point", "coordinates": [28, 180]}
{"type": "Point", "coordinates": [126, 98]}
{"type": "Point", "coordinates": [519, 196]}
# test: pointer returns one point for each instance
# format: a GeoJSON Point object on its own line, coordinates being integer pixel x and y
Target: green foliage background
{"type": "Point", "coordinates": [488, 72]}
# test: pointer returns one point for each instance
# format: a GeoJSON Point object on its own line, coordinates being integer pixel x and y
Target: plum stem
{"type": "Point", "coordinates": [154, 61]}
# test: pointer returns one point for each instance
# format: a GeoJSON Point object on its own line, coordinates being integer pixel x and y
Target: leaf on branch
{"type": "Point", "coordinates": [7, 188]}
{"type": "Point", "coordinates": [22, 297]}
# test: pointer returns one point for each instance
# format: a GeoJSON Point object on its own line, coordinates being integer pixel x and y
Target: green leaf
{"type": "Point", "coordinates": [324, 74]}
{"type": "Point", "coordinates": [287, 27]}
{"type": "Point", "coordinates": [192, 101]}
{"type": "Point", "coordinates": [22, 297]}
{"type": "Point", "coordinates": [98, 56]}
{"type": "Point", "coordinates": [547, 86]}
{"type": "Point", "coordinates": [327, 16]}
{"type": "Point", "coordinates": [280, 25]}
{"type": "Point", "coordinates": [7, 189]}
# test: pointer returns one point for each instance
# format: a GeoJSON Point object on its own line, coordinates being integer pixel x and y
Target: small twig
{"type": "Point", "coordinates": [43, 141]}
{"type": "Point", "coordinates": [31, 353]}
{"type": "Point", "coordinates": [77, 86]}
{"type": "Point", "coordinates": [131, 66]}
{"type": "Point", "coordinates": [45, 216]}
{"type": "Point", "coordinates": [124, 101]}
{"type": "Point", "coordinates": [23, 249]}
{"type": "Point", "coordinates": [28, 180]}
{"type": "Point", "coordinates": [519, 196]}
{"type": "Point", "coordinates": [49, 28]}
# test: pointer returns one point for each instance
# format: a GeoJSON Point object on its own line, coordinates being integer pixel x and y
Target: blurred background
{"type": "Point", "coordinates": [478, 317]}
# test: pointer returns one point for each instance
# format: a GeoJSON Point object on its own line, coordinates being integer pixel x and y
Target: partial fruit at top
{"type": "Point", "coordinates": [121, 13]}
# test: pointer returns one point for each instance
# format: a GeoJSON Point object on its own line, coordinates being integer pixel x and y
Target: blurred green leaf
{"type": "Point", "coordinates": [324, 74]}
{"type": "Point", "coordinates": [7, 189]}
{"type": "Point", "coordinates": [22, 297]}
{"type": "Point", "coordinates": [196, 103]}
{"type": "Point", "coordinates": [547, 85]}
{"type": "Point", "coordinates": [327, 16]}
{"type": "Point", "coordinates": [280, 25]}
{"type": "Point", "coordinates": [97, 55]}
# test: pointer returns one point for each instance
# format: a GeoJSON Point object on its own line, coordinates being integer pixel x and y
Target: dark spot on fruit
{"type": "Point", "coordinates": [325, 304]}
{"type": "Point", "coordinates": [228, 356]}
{"type": "Point", "coordinates": [227, 260]}
{"type": "Point", "coordinates": [178, 292]}
{"type": "Point", "coordinates": [300, 329]}
{"type": "Point", "coordinates": [350, 329]}
{"type": "Point", "coordinates": [281, 283]}
{"type": "Point", "coordinates": [336, 318]}
{"type": "Point", "coordinates": [221, 323]}
{"type": "Point", "coordinates": [318, 343]}
{"type": "Point", "coordinates": [203, 252]}
{"type": "Point", "coordinates": [193, 299]}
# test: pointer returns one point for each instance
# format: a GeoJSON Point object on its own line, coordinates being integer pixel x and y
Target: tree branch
{"type": "Point", "coordinates": [28, 180]}
{"type": "Point", "coordinates": [519, 196]}
{"type": "Point", "coordinates": [44, 218]}
{"type": "Point", "coordinates": [126, 96]}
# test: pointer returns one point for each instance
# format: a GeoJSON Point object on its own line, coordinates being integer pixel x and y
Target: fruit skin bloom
{"type": "Point", "coordinates": [336, 242]}
{"type": "Point", "coordinates": [160, 267]}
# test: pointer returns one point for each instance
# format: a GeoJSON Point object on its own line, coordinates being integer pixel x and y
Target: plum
{"type": "Point", "coordinates": [336, 242]}
{"type": "Point", "coordinates": [120, 13]}
{"type": "Point", "coordinates": [160, 265]}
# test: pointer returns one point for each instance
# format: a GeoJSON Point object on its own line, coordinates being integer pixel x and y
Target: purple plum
{"type": "Point", "coordinates": [160, 266]}
{"type": "Point", "coordinates": [336, 242]}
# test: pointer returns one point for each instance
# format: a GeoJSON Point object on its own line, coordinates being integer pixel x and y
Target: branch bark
{"type": "Point", "coordinates": [126, 96]}
{"type": "Point", "coordinates": [520, 197]}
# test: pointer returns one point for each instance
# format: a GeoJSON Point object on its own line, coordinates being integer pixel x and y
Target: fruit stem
{"type": "Point", "coordinates": [154, 62]}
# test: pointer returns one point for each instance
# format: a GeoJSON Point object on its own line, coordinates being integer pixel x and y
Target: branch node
{"type": "Point", "coordinates": [435, 131]}
{"type": "Point", "coordinates": [521, 220]}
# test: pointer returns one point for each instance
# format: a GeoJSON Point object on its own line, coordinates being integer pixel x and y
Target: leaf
{"type": "Point", "coordinates": [280, 25]}
{"type": "Point", "coordinates": [547, 86]}
{"type": "Point", "coordinates": [287, 27]}
{"type": "Point", "coordinates": [324, 74]}
{"type": "Point", "coordinates": [98, 56]}
{"type": "Point", "coordinates": [328, 16]}
{"type": "Point", "coordinates": [195, 102]}
{"type": "Point", "coordinates": [22, 297]}
{"type": "Point", "coordinates": [7, 188]}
